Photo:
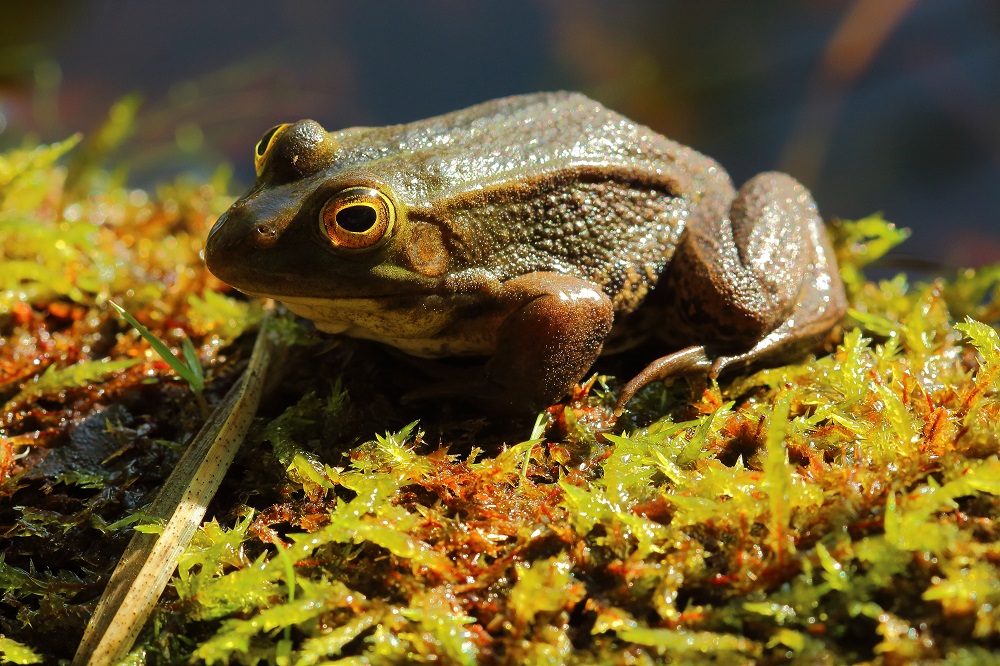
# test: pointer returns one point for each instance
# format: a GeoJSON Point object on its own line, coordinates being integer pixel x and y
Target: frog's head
{"type": "Point", "coordinates": [321, 224]}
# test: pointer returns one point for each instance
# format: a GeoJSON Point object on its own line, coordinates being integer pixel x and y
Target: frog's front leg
{"type": "Point", "coordinates": [553, 334]}
{"type": "Point", "coordinates": [548, 330]}
{"type": "Point", "coordinates": [756, 281]}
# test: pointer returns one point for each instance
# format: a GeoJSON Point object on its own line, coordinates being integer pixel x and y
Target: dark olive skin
{"type": "Point", "coordinates": [535, 231]}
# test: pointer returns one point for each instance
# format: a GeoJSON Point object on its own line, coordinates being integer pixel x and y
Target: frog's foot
{"type": "Point", "coordinates": [686, 361]}
{"type": "Point", "coordinates": [787, 339]}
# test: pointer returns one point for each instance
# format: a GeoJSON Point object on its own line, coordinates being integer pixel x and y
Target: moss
{"type": "Point", "coordinates": [838, 509]}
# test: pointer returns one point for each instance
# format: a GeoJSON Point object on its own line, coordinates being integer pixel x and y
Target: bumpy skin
{"type": "Point", "coordinates": [524, 228]}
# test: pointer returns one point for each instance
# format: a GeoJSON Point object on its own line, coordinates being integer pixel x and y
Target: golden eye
{"type": "Point", "coordinates": [264, 145]}
{"type": "Point", "coordinates": [357, 217]}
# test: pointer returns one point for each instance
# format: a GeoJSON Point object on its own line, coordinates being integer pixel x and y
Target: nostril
{"type": "Point", "coordinates": [264, 236]}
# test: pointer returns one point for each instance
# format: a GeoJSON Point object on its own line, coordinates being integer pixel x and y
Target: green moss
{"type": "Point", "coordinates": [838, 509]}
{"type": "Point", "coordinates": [55, 379]}
{"type": "Point", "coordinates": [13, 652]}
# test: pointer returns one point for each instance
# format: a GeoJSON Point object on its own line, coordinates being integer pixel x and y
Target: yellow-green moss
{"type": "Point", "coordinates": [839, 509]}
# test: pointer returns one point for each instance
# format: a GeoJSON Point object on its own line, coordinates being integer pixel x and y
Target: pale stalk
{"type": "Point", "coordinates": [150, 559]}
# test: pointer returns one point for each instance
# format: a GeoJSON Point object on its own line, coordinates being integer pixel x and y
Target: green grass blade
{"type": "Point", "coordinates": [194, 378]}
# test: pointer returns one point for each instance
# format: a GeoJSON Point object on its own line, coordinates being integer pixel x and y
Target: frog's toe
{"type": "Point", "coordinates": [686, 361]}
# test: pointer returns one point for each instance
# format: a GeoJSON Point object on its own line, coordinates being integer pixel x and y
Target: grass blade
{"type": "Point", "coordinates": [150, 559]}
{"type": "Point", "coordinates": [185, 370]}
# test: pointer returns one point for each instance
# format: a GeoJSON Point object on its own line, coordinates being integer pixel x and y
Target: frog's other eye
{"type": "Point", "coordinates": [264, 145]}
{"type": "Point", "coordinates": [357, 217]}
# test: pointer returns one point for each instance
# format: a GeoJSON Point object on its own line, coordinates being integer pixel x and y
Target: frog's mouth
{"type": "Point", "coordinates": [323, 303]}
{"type": "Point", "coordinates": [378, 293]}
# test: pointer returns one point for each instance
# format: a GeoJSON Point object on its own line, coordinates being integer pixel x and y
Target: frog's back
{"type": "Point", "coordinates": [545, 182]}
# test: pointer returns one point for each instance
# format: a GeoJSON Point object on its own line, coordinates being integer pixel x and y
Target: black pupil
{"type": "Point", "coordinates": [357, 218]}
{"type": "Point", "coordinates": [266, 140]}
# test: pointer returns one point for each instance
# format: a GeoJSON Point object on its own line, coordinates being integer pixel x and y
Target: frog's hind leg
{"type": "Point", "coordinates": [737, 274]}
{"type": "Point", "coordinates": [756, 283]}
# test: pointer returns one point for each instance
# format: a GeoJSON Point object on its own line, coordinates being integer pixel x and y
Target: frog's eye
{"type": "Point", "coordinates": [357, 217]}
{"type": "Point", "coordinates": [264, 145]}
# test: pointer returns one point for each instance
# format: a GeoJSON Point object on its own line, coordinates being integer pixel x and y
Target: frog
{"type": "Point", "coordinates": [534, 232]}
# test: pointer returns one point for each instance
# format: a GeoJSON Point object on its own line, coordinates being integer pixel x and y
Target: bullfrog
{"type": "Point", "coordinates": [535, 231]}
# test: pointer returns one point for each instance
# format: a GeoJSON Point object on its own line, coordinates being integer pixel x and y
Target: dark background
{"type": "Point", "coordinates": [878, 105]}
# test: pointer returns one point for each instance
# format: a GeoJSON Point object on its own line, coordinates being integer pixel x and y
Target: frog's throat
{"type": "Point", "coordinates": [420, 328]}
{"type": "Point", "coordinates": [332, 314]}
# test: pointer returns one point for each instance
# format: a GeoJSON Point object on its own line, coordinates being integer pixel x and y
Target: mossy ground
{"type": "Point", "coordinates": [839, 510]}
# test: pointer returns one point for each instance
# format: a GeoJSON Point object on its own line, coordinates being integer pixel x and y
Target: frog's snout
{"type": "Point", "coordinates": [234, 238]}
{"type": "Point", "coordinates": [220, 248]}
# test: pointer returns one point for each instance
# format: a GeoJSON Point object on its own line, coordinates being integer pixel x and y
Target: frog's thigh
{"type": "Point", "coordinates": [735, 280]}
{"type": "Point", "coordinates": [551, 338]}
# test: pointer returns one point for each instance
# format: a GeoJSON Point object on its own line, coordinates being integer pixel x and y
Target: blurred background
{"type": "Point", "coordinates": [877, 105]}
